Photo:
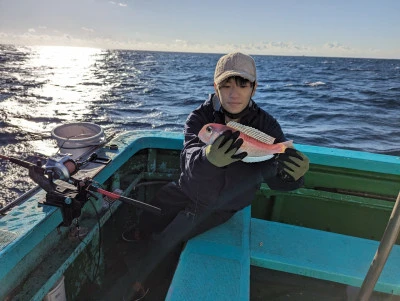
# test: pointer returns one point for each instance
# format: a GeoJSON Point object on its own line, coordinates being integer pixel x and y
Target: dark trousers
{"type": "Point", "coordinates": [180, 221]}
{"type": "Point", "coordinates": [174, 205]}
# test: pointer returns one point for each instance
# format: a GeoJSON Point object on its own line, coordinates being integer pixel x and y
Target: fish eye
{"type": "Point", "coordinates": [209, 129]}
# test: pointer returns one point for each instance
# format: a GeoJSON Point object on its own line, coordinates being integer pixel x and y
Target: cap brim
{"type": "Point", "coordinates": [228, 74]}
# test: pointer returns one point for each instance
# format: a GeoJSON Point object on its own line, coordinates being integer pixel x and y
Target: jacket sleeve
{"type": "Point", "coordinates": [200, 180]}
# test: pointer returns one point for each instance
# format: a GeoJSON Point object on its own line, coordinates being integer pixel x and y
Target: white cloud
{"type": "Point", "coordinates": [338, 49]}
{"type": "Point", "coordinates": [31, 30]}
{"type": "Point", "coordinates": [87, 29]}
{"type": "Point", "coordinates": [118, 3]}
{"type": "Point", "coordinates": [336, 46]}
{"type": "Point", "coordinates": [181, 45]}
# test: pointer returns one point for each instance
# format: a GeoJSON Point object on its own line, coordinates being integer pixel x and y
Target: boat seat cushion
{"type": "Point", "coordinates": [219, 258]}
{"type": "Point", "coordinates": [320, 254]}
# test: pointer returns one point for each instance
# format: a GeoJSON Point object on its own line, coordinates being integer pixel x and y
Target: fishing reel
{"type": "Point", "coordinates": [60, 167]}
{"type": "Point", "coordinates": [62, 190]}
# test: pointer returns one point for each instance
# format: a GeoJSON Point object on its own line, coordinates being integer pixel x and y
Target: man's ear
{"type": "Point", "coordinates": [216, 89]}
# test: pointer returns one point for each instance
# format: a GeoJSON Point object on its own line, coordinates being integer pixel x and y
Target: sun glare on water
{"type": "Point", "coordinates": [64, 76]}
{"type": "Point", "coordinates": [60, 84]}
{"type": "Point", "coordinates": [66, 70]}
{"type": "Point", "coordinates": [64, 82]}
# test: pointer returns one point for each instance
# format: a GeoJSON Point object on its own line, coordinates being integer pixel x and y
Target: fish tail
{"type": "Point", "coordinates": [287, 144]}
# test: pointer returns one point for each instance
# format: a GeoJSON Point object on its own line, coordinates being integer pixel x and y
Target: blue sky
{"type": "Point", "coordinates": [349, 28]}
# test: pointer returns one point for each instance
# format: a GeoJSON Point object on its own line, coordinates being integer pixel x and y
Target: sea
{"type": "Point", "coordinates": [349, 103]}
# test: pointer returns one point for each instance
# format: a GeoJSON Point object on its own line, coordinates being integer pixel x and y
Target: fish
{"type": "Point", "coordinates": [258, 145]}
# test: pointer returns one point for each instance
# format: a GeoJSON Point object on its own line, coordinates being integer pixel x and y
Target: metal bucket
{"type": "Point", "coordinates": [77, 138]}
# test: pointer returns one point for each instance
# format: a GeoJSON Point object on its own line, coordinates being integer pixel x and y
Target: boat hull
{"type": "Point", "coordinates": [346, 192]}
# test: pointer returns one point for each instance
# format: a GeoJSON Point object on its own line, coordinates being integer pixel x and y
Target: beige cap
{"type": "Point", "coordinates": [235, 64]}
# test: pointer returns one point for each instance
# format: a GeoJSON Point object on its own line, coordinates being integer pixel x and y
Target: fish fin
{"type": "Point", "coordinates": [288, 144]}
{"type": "Point", "coordinates": [252, 132]}
{"type": "Point", "coordinates": [248, 159]}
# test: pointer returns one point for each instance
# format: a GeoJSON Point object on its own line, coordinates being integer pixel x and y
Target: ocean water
{"type": "Point", "coordinates": [346, 103]}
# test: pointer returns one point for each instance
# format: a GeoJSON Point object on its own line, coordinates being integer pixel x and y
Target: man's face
{"type": "Point", "coordinates": [234, 94]}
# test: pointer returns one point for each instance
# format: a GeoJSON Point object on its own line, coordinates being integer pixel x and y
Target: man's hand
{"type": "Point", "coordinates": [292, 164]}
{"type": "Point", "coordinates": [222, 151]}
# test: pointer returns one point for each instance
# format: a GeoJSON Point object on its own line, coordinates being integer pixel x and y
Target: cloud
{"type": "Point", "coordinates": [54, 38]}
{"type": "Point", "coordinates": [118, 3]}
{"type": "Point", "coordinates": [336, 46]}
{"type": "Point", "coordinates": [279, 47]}
{"type": "Point", "coordinates": [87, 29]}
{"type": "Point", "coordinates": [31, 30]}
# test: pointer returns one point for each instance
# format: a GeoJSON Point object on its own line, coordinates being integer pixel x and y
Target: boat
{"type": "Point", "coordinates": [314, 243]}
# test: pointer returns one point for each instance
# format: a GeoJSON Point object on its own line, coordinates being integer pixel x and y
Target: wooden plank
{"type": "Point", "coordinates": [319, 254]}
{"type": "Point", "coordinates": [216, 264]}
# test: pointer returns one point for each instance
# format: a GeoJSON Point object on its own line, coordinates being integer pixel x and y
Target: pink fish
{"type": "Point", "coordinates": [258, 145]}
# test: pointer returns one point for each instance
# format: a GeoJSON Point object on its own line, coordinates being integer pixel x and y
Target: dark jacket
{"type": "Point", "coordinates": [232, 187]}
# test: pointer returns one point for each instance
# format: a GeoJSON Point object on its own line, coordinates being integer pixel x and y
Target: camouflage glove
{"type": "Point", "coordinates": [292, 164]}
{"type": "Point", "coordinates": [222, 151]}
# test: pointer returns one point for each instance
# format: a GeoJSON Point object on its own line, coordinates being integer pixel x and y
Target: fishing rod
{"type": "Point", "coordinates": [70, 194]}
{"type": "Point", "coordinates": [124, 199]}
{"type": "Point", "coordinates": [22, 163]}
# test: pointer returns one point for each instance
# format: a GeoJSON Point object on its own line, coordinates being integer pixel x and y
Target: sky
{"type": "Point", "coordinates": [336, 28]}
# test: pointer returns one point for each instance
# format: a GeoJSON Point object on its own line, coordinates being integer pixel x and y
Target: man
{"type": "Point", "coordinates": [235, 84]}
{"type": "Point", "coordinates": [214, 183]}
